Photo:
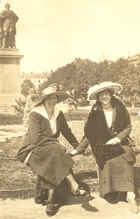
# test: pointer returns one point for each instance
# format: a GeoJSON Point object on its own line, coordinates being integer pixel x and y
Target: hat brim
{"type": "Point", "coordinates": [61, 97]}
{"type": "Point", "coordinates": [114, 88]}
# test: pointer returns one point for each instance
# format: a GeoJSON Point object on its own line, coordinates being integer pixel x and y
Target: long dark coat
{"type": "Point", "coordinates": [117, 173]}
{"type": "Point", "coordinates": [48, 158]}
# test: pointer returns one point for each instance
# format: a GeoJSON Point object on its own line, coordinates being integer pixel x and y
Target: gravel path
{"type": "Point", "coordinates": [92, 207]}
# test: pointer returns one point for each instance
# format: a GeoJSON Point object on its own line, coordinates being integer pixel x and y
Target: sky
{"type": "Point", "coordinates": [52, 33]}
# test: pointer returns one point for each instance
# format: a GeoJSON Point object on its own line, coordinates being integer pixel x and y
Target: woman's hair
{"type": "Point", "coordinates": [99, 103]}
{"type": "Point", "coordinates": [108, 90]}
{"type": "Point", "coordinates": [112, 101]}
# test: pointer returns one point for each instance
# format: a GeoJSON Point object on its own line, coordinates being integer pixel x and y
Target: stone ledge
{"type": "Point", "coordinates": [7, 51]}
{"type": "Point", "coordinates": [10, 53]}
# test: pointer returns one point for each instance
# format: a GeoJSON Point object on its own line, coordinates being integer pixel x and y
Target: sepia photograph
{"type": "Point", "coordinates": [70, 109]}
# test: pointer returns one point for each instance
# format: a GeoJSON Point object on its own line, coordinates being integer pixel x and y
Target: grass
{"type": "Point", "coordinates": [17, 119]}
{"type": "Point", "coordinates": [6, 119]}
{"type": "Point", "coordinates": [16, 181]}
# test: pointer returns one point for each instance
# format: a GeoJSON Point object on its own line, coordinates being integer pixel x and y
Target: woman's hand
{"type": "Point", "coordinates": [73, 152]}
{"type": "Point", "coordinates": [113, 141]}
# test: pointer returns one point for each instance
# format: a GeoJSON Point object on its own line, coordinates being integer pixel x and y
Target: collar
{"type": "Point", "coordinates": [41, 110]}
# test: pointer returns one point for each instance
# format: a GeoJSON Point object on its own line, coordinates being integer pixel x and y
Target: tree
{"type": "Point", "coordinates": [25, 87]}
{"type": "Point", "coordinates": [81, 74]}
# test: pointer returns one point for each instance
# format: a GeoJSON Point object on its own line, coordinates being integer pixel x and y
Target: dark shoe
{"type": "Point", "coordinates": [80, 192]}
{"type": "Point", "coordinates": [50, 209]}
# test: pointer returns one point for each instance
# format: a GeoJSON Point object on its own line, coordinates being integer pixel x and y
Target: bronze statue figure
{"type": "Point", "coordinates": [8, 20]}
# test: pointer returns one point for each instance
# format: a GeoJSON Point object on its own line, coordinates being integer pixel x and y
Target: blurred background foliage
{"type": "Point", "coordinates": [77, 76]}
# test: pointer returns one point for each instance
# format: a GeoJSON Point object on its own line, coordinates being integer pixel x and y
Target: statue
{"type": "Point", "coordinates": [8, 20]}
{"type": "Point", "coordinates": [0, 32]}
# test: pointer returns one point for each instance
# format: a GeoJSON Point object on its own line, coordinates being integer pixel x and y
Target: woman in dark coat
{"type": "Point", "coordinates": [107, 128]}
{"type": "Point", "coordinates": [42, 151]}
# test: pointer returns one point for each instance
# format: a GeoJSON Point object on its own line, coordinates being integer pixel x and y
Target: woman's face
{"type": "Point", "coordinates": [50, 100]}
{"type": "Point", "coordinates": [104, 97]}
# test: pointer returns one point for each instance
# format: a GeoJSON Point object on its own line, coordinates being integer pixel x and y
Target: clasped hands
{"type": "Point", "coordinates": [74, 152]}
{"type": "Point", "coordinates": [67, 151]}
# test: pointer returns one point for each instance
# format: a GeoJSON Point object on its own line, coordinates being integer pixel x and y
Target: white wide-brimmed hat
{"type": "Point", "coordinates": [50, 91]}
{"type": "Point", "coordinates": [94, 90]}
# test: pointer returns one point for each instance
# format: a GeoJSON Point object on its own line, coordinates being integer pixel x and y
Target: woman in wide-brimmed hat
{"type": "Point", "coordinates": [42, 151]}
{"type": "Point", "coordinates": [107, 128]}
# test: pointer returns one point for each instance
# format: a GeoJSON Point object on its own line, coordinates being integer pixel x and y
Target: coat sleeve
{"type": "Point", "coordinates": [67, 133]}
{"type": "Point", "coordinates": [35, 130]}
{"type": "Point", "coordinates": [82, 145]}
{"type": "Point", "coordinates": [89, 128]}
{"type": "Point", "coordinates": [126, 127]}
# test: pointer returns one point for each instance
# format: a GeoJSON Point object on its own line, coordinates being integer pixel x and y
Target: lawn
{"type": "Point", "coordinates": [18, 181]}
{"type": "Point", "coordinates": [6, 119]}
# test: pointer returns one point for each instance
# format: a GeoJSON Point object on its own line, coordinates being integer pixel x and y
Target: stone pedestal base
{"type": "Point", "coordinates": [7, 101]}
{"type": "Point", "coordinates": [9, 79]}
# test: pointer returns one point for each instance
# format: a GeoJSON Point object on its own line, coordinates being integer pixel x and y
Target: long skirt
{"type": "Point", "coordinates": [118, 174]}
{"type": "Point", "coordinates": [51, 164]}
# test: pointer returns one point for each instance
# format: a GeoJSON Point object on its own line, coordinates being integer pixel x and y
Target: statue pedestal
{"type": "Point", "coordinates": [9, 79]}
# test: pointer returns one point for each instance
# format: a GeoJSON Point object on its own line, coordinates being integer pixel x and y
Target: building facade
{"type": "Point", "coordinates": [36, 79]}
{"type": "Point", "coordinates": [134, 59]}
